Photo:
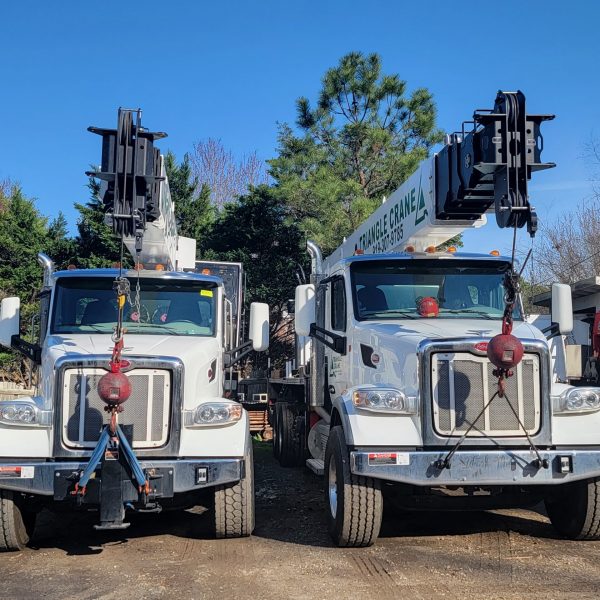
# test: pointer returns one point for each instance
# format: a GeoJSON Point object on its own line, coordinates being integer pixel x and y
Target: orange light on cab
{"type": "Point", "coordinates": [358, 252]}
{"type": "Point", "coordinates": [451, 249]}
{"type": "Point", "coordinates": [409, 249]}
{"type": "Point", "coordinates": [495, 253]}
{"type": "Point", "coordinates": [159, 267]}
{"type": "Point", "coordinates": [430, 249]}
{"type": "Point", "coordinates": [205, 272]}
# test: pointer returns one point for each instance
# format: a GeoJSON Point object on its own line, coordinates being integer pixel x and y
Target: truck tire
{"type": "Point", "coordinates": [289, 443]}
{"type": "Point", "coordinates": [354, 504]}
{"type": "Point", "coordinates": [575, 511]}
{"type": "Point", "coordinates": [234, 504]}
{"type": "Point", "coordinates": [16, 524]}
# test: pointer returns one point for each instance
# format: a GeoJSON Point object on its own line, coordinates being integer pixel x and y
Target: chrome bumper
{"type": "Point", "coordinates": [188, 474]}
{"type": "Point", "coordinates": [497, 467]}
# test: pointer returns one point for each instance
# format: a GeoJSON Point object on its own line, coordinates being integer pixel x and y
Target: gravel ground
{"type": "Point", "coordinates": [495, 554]}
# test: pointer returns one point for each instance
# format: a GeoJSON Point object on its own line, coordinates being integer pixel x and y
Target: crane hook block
{"type": "Point", "coordinates": [490, 165]}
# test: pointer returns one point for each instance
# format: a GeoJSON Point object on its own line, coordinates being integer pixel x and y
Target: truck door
{"type": "Point", "coordinates": [336, 314]}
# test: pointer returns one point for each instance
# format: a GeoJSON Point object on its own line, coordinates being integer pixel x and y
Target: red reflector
{"type": "Point", "coordinates": [382, 458]}
{"type": "Point", "coordinates": [481, 346]}
{"type": "Point", "coordinates": [9, 471]}
{"type": "Point", "coordinates": [125, 364]}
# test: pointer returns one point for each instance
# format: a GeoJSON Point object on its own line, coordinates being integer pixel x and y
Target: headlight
{"type": "Point", "coordinates": [24, 413]}
{"type": "Point", "coordinates": [578, 400]}
{"type": "Point", "coordinates": [214, 413]}
{"type": "Point", "coordinates": [384, 400]}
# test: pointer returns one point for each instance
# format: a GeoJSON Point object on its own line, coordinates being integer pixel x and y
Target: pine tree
{"type": "Point", "coordinates": [363, 138]}
{"type": "Point", "coordinates": [193, 208]}
{"type": "Point", "coordinates": [97, 245]}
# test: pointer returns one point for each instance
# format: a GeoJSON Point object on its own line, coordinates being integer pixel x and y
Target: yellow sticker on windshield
{"type": "Point", "coordinates": [207, 293]}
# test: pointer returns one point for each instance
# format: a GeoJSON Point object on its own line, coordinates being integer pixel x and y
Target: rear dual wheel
{"type": "Point", "coordinates": [287, 437]}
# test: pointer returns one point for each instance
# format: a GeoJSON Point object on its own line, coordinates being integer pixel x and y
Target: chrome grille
{"type": "Point", "coordinates": [462, 383]}
{"type": "Point", "coordinates": [146, 414]}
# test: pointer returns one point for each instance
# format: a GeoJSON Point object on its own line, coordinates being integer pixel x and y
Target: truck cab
{"type": "Point", "coordinates": [399, 394]}
{"type": "Point", "coordinates": [190, 439]}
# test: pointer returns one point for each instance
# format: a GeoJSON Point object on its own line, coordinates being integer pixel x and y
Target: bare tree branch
{"type": "Point", "coordinates": [225, 175]}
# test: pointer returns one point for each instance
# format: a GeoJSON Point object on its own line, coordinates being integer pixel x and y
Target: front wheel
{"type": "Point", "coordinates": [234, 504]}
{"type": "Point", "coordinates": [354, 503]}
{"type": "Point", "coordinates": [16, 523]}
{"type": "Point", "coordinates": [575, 511]}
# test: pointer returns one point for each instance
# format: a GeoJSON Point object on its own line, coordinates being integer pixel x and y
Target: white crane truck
{"type": "Point", "coordinates": [168, 335]}
{"type": "Point", "coordinates": [396, 391]}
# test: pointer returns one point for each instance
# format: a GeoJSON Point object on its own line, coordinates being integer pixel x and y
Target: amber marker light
{"type": "Point", "coordinates": [451, 249]}
{"type": "Point", "coordinates": [495, 253]}
{"type": "Point", "coordinates": [430, 249]}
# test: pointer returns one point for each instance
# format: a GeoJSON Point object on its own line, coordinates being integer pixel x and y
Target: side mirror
{"type": "Point", "coordinates": [562, 307]}
{"type": "Point", "coordinates": [259, 326]}
{"type": "Point", "coordinates": [9, 320]}
{"type": "Point", "coordinates": [305, 304]}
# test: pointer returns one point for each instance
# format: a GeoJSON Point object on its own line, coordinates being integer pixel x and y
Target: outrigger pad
{"type": "Point", "coordinates": [112, 503]}
{"type": "Point", "coordinates": [491, 165]}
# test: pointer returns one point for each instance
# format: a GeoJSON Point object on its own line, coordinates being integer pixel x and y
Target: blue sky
{"type": "Point", "coordinates": [232, 70]}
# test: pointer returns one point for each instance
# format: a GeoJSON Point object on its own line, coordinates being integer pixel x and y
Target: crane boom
{"type": "Point", "coordinates": [478, 171]}
{"type": "Point", "coordinates": [135, 191]}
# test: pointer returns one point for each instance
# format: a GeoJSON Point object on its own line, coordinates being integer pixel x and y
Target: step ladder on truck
{"type": "Point", "coordinates": [418, 375]}
{"type": "Point", "coordinates": [131, 411]}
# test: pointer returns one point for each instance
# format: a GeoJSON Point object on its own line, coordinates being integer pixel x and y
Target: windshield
{"type": "Point", "coordinates": [415, 289]}
{"type": "Point", "coordinates": [167, 306]}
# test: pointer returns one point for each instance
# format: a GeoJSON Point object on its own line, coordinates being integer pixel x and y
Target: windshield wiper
{"type": "Point", "coordinates": [400, 311]}
{"type": "Point", "coordinates": [458, 311]}
{"type": "Point", "coordinates": [160, 328]}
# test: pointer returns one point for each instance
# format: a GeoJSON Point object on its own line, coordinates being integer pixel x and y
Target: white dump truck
{"type": "Point", "coordinates": [168, 335]}
{"type": "Point", "coordinates": [396, 395]}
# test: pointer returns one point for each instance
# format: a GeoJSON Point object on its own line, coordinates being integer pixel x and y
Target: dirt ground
{"type": "Point", "coordinates": [499, 554]}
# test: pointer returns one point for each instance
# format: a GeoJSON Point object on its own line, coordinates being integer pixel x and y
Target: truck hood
{"type": "Point", "coordinates": [437, 329]}
{"type": "Point", "coordinates": [141, 345]}
{"type": "Point", "coordinates": [396, 343]}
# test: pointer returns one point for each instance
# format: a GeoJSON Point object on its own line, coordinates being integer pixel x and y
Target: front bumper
{"type": "Point", "coordinates": [185, 474]}
{"type": "Point", "coordinates": [497, 467]}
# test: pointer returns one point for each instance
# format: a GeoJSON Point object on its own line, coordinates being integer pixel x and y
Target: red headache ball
{"type": "Point", "coordinates": [505, 351]}
{"type": "Point", "coordinates": [114, 388]}
{"type": "Point", "coordinates": [428, 307]}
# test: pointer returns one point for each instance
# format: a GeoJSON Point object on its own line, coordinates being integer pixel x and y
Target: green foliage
{"type": "Point", "coordinates": [363, 138]}
{"type": "Point", "coordinates": [528, 291]}
{"type": "Point", "coordinates": [23, 234]}
{"type": "Point", "coordinates": [59, 246]}
{"type": "Point", "coordinates": [194, 210]}
{"type": "Point", "coordinates": [256, 230]}
{"type": "Point", "coordinates": [97, 245]}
